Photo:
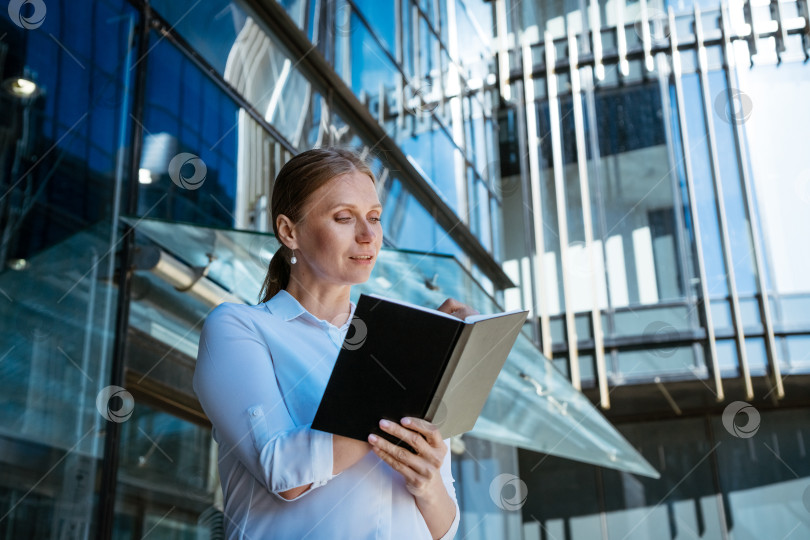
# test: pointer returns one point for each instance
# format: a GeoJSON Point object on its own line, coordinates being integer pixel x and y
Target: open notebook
{"type": "Point", "coordinates": [400, 359]}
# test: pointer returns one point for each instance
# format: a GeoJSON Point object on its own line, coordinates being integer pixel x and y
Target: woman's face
{"type": "Point", "coordinates": [340, 235]}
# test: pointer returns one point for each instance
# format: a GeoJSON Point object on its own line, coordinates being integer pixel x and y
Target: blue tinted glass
{"type": "Point", "coordinates": [738, 226]}
{"type": "Point", "coordinates": [64, 141]}
{"type": "Point", "coordinates": [190, 143]}
{"type": "Point", "coordinates": [380, 16]}
{"type": "Point", "coordinates": [697, 145]}
{"type": "Point", "coordinates": [433, 151]}
{"type": "Point", "coordinates": [370, 66]}
{"type": "Point", "coordinates": [211, 26]}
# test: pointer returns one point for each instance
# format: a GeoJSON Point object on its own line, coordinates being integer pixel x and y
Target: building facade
{"type": "Point", "coordinates": [631, 173]}
{"type": "Point", "coordinates": [661, 187]}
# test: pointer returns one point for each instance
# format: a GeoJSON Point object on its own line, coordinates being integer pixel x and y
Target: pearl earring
{"type": "Point", "coordinates": [293, 259]}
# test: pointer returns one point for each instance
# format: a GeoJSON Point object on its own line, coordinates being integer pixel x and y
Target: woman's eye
{"type": "Point", "coordinates": [375, 219]}
{"type": "Point", "coordinates": [342, 219]}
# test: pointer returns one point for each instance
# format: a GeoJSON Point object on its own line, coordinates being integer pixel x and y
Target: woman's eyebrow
{"type": "Point", "coordinates": [378, 205]}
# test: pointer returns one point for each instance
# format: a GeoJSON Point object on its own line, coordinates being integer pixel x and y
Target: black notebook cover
{"type": "Point", "coordinates": [390, 366]}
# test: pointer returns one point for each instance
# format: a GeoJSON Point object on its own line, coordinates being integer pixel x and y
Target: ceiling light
{"type": "Point", "coordinates": [19, 87]}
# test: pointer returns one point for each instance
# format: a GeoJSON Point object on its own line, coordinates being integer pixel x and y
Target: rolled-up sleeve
{"type": "Point", "coordinates": [447, 478]}
{"type": "Point", "coordinates": [236, 385]}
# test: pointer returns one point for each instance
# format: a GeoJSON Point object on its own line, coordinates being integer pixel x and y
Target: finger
{"type": "Point", "coordinates": [450, 305]}
{"type": "Point", "coordinates": [400, 459]}
{"type": "Point", "coordinates": [413, 438]}
{"type": "Point", "coordinates": [464, 312]}
{"type": "Point", "coordinates": [429, 430]}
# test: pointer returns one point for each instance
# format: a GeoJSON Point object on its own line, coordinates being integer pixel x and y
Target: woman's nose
{"type": "Point", "coordinates": [366, 231]}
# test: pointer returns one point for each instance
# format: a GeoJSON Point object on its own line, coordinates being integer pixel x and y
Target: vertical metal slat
{"type": "Point", "coordinates": [748, 201]}
{"type": "Point", "coordinates": [720, 204]}
{"type": "Point", "coordinates": [562, 220]}
{"type": "Point", "coordinates": [690, 188]}
{"type": "Point", "coordinates": [537, 202]}
{"type": "Point", "coordinates": [587, 224]}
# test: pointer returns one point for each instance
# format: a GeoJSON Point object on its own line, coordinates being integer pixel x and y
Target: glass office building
{"type": "Point", "coordinates": [632, 173]}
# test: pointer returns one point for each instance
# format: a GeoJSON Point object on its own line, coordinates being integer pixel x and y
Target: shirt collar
{"type": "Point", "coordinates": [288, 307]}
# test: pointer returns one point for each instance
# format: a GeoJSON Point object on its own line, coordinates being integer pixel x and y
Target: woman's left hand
{"type": "Point", "coordinates": [453, 307]}
{"type": "Point", "coordinates": [421, 470]}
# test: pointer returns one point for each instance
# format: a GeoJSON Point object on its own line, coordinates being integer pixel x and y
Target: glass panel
{"type": "Point", "coordinates": [738, 225]}
{"type": "Point", "coordinates": [475, 469]}
{"type": "Point", "coordinates": [749, 310]}
{"type": "Point", "coordinates": [434, 154]}
{"type": "Point", "coordinates": [229, 38]}
{"type": "Point", "coordinates": [64, 136]}
{"type": "Point", "coordinates": [563, 499]}
{"type": "Point", "coordinates": [369, 65]}
{"type": "Point", "coordinates": [677, 361]}
{"type": "Point", "coordinates": [652, 320]}
{"type": "Point", "coordinates": [555, 300]}
{"type": "Point", "coordinates": [167, 469]}
{"type": "Point", "coordinates": [586, 370]}
{"type": "Point", "coordinates": [188, 162]}
{"type": "Point", "coordinates": [635, 184]}
{"type": "Point", "coordinates": [697, 144]}
{"type": "Point", "coordinates": [212, 27]}
{"type": "Point", "coordinates": [779, 158]}
{"type": "Point", "coordinates": [727, 357]}
{"type": "Point", "coordinates": [757, 357]}
{"type": "Point", "coordinates": [794, 310]}
{"type": "Point", "coordinates": [683, 504]}
{"type": "Point", "coordinates": [799, 352]}
{"type": "Point", "coordinates": [380, 16]}
{"type": "Point", "coordinates": [764, 472]}
{"type": "Point", "coordinates": [532, 405]}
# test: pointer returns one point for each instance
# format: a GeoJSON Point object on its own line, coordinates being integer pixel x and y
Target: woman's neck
{"type": "Point", "coordinates": [331, 305]}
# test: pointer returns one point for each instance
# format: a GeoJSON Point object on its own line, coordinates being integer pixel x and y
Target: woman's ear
{"type": "Point", "coordinates": [286, 231]}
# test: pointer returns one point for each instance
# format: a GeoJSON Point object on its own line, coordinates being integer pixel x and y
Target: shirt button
{"type": "Point", "coordinates": [255, 412]}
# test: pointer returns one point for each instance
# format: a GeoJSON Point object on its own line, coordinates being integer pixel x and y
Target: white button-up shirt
{"type": "Point", "coordinates": [261, 372]}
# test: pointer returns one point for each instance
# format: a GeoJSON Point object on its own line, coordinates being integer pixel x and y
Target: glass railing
{"type": "Point", "coordinates": [532, 405]}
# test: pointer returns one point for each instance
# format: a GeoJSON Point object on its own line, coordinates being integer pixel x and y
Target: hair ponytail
{"type": "Point", "coordinates": [278, 274]}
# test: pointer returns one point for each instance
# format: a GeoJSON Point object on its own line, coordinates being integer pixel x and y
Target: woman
{"type": "Point", "coordinates": [261, 371]}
